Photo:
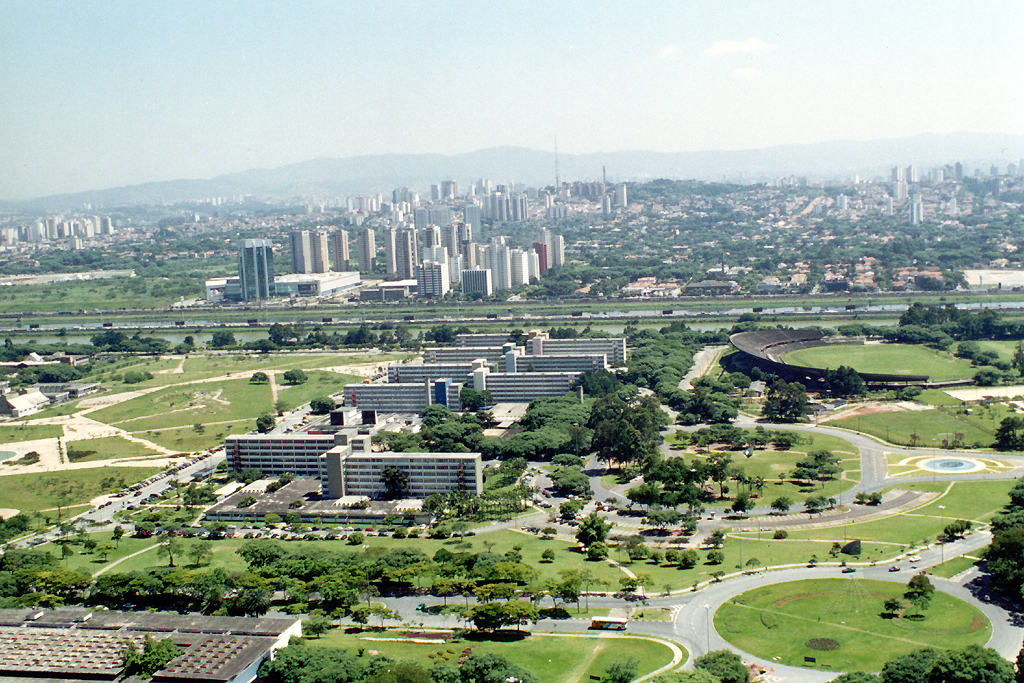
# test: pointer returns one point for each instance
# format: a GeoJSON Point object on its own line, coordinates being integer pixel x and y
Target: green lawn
{"type": "Point", "coordinates": [320, 383]}
{"type": "Point", "coordinates": [188, 440]}
{"type": "Point", "coordinates": [94, 562]}
{"type": "Point", "coordinates": [202, 402]}
{"type": "Point", "coordinates": [553, 659]}
{"type": "Point", "coordinates": [28, 432]}
{"type": "Point", "coordinates": [106, 448]}
{"type": "Point", "coordinates": [44, 491]}
{"type": "Point", "coordinates": [775, 467]}
{"type": "Point", "coordinates": [931, 427]}
{"type": "Point", "coordinates": [777, 622]}
{"type": "Point", "coordinates": [900, 359]}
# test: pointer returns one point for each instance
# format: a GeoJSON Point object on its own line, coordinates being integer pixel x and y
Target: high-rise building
{"type": "Point", "coordinates": [916, 210]}
{"type": "Point", "coordinates": [430, 236]}
{"type": "Point", "coordinates": [302, 252]}
{"type": "Point", "coordinates": [320, 256]}
{"type": "Point", "coordinates": [541, 250]}
{"type": "Point", "coordinates": [518, 208]}
{"type": "Point", "coordinates": [498, 260]}
{"type": "Point", "coordinates": [911, 176]}
{"type": "Point", "coordinates": [477, 280]}
{"type": "Point", "coordinates": [621, 200]}
{"type": "Point", "coordinates": [256, 270]}
{"type": "Point", "coordinates": [400, 247]}
{"type": "Point", "coordinates": [449, 189]}
{"type": "Point", "coordinates": [433, 279]}
{"type": "Point", "coordinates": [471, 218]}
{"type": "Point", "coordinates": [339, 248]}
{"type": "Point", "coordinates": [520, 271]}
{"type": "Point", "coordinates": [958, 171]}
{"type": "Point", "coordinates": [366, 245]}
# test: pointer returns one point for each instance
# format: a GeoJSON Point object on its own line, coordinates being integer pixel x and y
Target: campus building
{"type": "Point", "coordinates": [539, 344]}
{"type": "Point", "coordinates": [359, 473]}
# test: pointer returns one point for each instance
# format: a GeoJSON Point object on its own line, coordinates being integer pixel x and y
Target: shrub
{"type": "Point", "coordinates": [780, 534]}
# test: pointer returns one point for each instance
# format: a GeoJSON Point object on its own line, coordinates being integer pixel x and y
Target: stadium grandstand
{"type": "Point", "coordinates": [768, 347]}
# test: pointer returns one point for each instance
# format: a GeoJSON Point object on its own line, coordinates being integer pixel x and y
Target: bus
{"type": "Point", "coordinates": [609, 623]}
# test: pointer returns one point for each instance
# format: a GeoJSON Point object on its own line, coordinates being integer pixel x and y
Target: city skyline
{"type": "Point", "coordinates": [108, 94]}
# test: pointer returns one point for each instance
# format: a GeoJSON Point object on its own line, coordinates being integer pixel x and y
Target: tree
{"type": "Point", "coordinates": [223, 339]}
{"type": "Point", "coordinates": [919, 592]}
{"type": "Point", "coordinates": [742, 504]}
{"type": "Point", "coordinates": [593, 528]}
{"type": "Point", "coordinates": [548, 555]}
{"type": "Point", "coordinates": [322, 405]}
{"type": "Point", "coordinates": [253, 602]}
{"type": "Point", "coordinates": [259, 378]}
{"type": "Point", "coordinates": [782, 504]}
{"type": "Point", "coordinates": [622, 671]}
{"type": "Point", "coordinates": [173, 546]}
{"type": "Point", "coordinates": [973, 664]}
{"type": "Point", "coordinates": [475, 399]}
{"type": "Point", "coordinates": [201, 552]}
{"type": "Point", "coordinates": [154, 655]}
{"type": "Point", "coordinates": [265, 422]}
{"type": "Point", "coordinates": [843, 381]}
{"type": "Point", "coordinates": [815, 504]}
{"type": "Point", "coordinates": [316, 624]}
{"type": "Point", "coordinates": [518, 612]}
{"type": "Point", "coordinates": [892, 606]}
{"type": "Point", "coordinates": [396, 482]}
{"type": "Point", "coordinates": [688, 676]}
{"type": "Point", "coordinates": [493, 668]}
{"type": "Point", "coordinates": [856, 677]}
{"type": "Point", "coordinates": [725, 664]}
{"type": "Point", "coordinates": [104, 549]}
{"type": "Point", "coordinates": [785, 401]}
{"type": "Point", "coordinates": [294, 376]}
{"type": "Point", "coordinates": [117, 535]}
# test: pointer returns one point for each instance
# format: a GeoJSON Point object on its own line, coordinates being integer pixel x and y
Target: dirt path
{"type": "Point", "coordinates": [127, 557]}
{"type": "Point", "coordinates": [580, 671]}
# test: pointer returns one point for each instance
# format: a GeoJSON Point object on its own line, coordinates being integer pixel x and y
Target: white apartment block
{"type": "Point", "coordinates": [392, 398]}
{"type": "Point", "coordinates": [352, 473]}
{"type": "Point", "coordinates": [613, 347]}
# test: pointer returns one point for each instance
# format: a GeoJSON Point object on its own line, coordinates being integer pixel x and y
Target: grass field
{"type": "Point", "coordinates": [553, 659]}
{"type": "Point", "coordinates": [931, 426]}
{"type": "Point", "coordinates": [319, 384]}
{"type": "Point", "coordinates": [204, 402]}
{"type": "Point", "coordinates": [778, 622]}
{"type": "Point", "coordinates": [106, 448]}
{"type": "Point", "coordinates": [188, 440]}
{"type": "Point", "coordinates": [775, 466]}
{"type": "Point", "coordinates": [44, 491]}
{"type": "Point", "coordinates": [28, 432]}
{"type": "Point", "coordinates": [899, 359]}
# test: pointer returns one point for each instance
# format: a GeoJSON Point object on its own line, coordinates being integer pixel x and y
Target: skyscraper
{"type": "Point", "coordinates": [339, 245]}
{"type": "Point", "coordinates": [302, 252]}
{"type": "Point", "coordinates": [256, 270]}
{"type": "Point", "coordinates": [433, 279]}
{"type": "Point", "coordinates": [400, 248]}
{"type": "Point", "coordinates": [319, 257]}
{"type": "Point", "coordinates": [366, 245]}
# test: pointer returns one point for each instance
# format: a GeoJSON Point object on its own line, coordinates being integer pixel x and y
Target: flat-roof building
{"type": "Point", "coordinates": [352, 473]}
{"type": "Point", "coordinates": [539, 344]}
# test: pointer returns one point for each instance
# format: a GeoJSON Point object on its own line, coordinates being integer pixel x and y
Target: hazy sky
{"type": "Point", "coordinates": [95, 94]}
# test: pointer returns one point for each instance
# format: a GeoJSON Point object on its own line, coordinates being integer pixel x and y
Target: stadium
{"type": "Point", "coordinates": [767, 348]}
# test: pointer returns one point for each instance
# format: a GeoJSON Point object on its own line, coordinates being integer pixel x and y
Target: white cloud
{"type": "Point", "coordinates": [668, 52]}
{"type": "Point", "coordinates": [731, 47]}
{"type": "Point", "coordinates": [747, 74]}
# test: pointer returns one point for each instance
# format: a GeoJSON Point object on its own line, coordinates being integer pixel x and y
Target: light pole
{"type": "Point", "coordinates": [942, 546]}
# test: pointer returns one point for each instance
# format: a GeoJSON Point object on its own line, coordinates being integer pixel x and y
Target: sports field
{"type": "Point", "coordinates": [898, 359]}
{"type": "Point", "coordinates": [842, 624]}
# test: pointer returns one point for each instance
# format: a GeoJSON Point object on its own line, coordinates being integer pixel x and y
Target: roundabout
{"type": "Point", "coordinates": [842, 624]}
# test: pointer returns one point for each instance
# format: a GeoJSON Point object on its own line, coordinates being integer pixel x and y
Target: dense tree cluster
{"type": "Point", "coordinates": [1005, 555]}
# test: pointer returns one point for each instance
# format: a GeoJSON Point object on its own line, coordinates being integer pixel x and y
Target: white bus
{"type": "Point", "coordinates": [611, 623]}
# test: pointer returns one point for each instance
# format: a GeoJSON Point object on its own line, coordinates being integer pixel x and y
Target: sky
{"type": "Point", "coordinates": [105, 93]}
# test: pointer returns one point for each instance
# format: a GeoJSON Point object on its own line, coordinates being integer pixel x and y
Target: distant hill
{"type": "Point", "coordinates": [323, 177]}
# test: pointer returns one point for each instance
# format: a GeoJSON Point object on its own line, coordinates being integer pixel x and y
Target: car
{"type": "Point", "coordinates": [914, 558]}
{"type": "Point", "coordinates": [894, 568]}
{"type": "Point", "coordinates": [848, 570]}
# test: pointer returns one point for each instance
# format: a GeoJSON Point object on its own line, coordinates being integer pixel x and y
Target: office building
{"type": "Point", "coordinates": [523, 387]}
{"type": "Point", "coordinates": [477, 280]}
{"type": "Point", "coordinates": [409, 373]}
{"type": "Point", "coordinates": [319, 252]}
{"type": "Point", "coordinates": [360, 474]}
{"type": "Point", "coordinates": [339, 249]}
{"type": "Point", "coordinates": [256, 270]}
{"type": "Point", "coordinates": [448, 354]}
{"type": "Point", "coordinates": [391, 398]}
{"type": "Point", "coordinates": [302, 252]}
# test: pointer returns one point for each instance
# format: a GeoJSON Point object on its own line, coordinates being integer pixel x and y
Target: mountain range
{"type": "Point", "coordinates": [339, 177]}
